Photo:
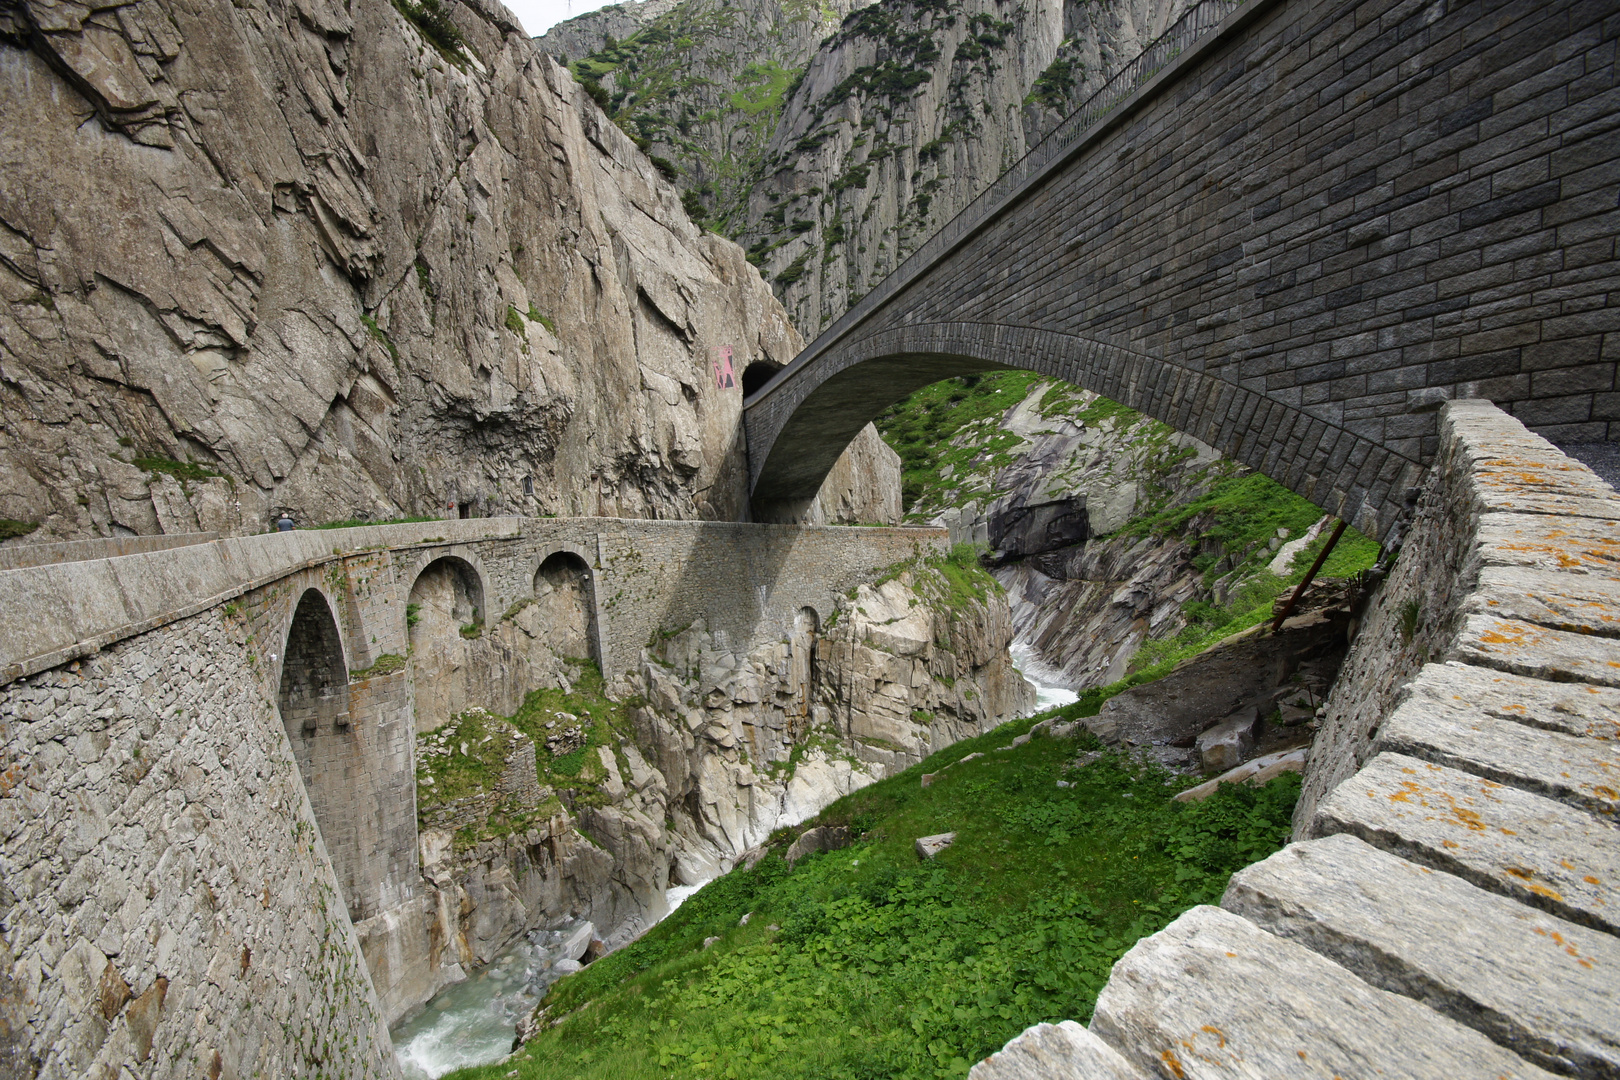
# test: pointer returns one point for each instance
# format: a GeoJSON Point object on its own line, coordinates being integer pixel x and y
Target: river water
{"type": "Point", "coordinates": [1048, 695]}
{"type": "Point", "coordinates": [472, 1023]}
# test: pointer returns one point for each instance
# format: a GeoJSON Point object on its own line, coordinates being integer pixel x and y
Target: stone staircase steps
{"type": "Point", "coordinates": [1538, 851]}
{"type": "Point", "coordinates": [1522, 648]}
{"type": "Point", "coordinates": [1536, 984]}
{"type": "Point", "coordinates": [1576, 603]}
{"type": "Point", "coordinates": [1583, 772]}
{"type": "Point", "coordinates": [1591, 712]}
{"type": "Point", "coordinates": [1212, 995]}
{"type": "Point", "coordinates": [1454, 911]}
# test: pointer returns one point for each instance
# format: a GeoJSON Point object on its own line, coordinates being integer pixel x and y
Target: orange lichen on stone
{"type": "Point", "coordinates": [1173, 1063]}
{"type": "Point", "coordinates": [1210, 1029]}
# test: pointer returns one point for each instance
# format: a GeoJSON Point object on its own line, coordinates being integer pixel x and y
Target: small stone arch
{"type": "Point", "coordinates": [314, 704]}
{"type": "Point", "coordinates": [565, 594]}
{"type": "Point", "coordinates": [446, 595]}
{"type": "Point", "coordinates": [757, 374]}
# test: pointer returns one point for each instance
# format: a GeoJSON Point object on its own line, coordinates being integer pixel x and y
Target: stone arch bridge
{"type": "Point", "coordinates": [1291, 229]}
{"type": "Point", "coordinates": [240, 792]}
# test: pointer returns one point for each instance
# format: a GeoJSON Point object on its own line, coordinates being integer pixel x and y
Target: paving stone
{"type": "Point", "coordinates": [1539, 985]}
{"type": "Point", "coordinates": [1579, 771]}
{"type": "Point", "coordinates": [1575, 709]}
{"type": "Point", "coordinates": [1064, 1051]}
{"type": "Point", "coordinates": [1575, 603]}
{"type": "Point", "coordinates": [1576, 544]}
{"type": "Point", "coordinates": [1212, 995]}
{"type": "Point", "coordinates": [1527, 649]}
{"type": "Point", "coordinates": [1533, 849]}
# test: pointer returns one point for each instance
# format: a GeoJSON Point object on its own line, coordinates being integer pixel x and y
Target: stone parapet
{"type": "Point", "coordinates": [1448, 909]}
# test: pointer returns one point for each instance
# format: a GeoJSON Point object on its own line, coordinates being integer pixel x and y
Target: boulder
{"type": "Point", "coordinates": [929, 846]}
{"type": "Point", "coordinates": [1257, 772]}
{"type": "Point", "coordinates": [821, 838]}
{"type": "Point", "coordinates": [1225, 745]}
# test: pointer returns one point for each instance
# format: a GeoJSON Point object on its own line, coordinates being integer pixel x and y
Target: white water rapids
{"type": "Point", "coordinates": [473, 1022]}
{"type": "Point", "coordinates": [1042, 676]}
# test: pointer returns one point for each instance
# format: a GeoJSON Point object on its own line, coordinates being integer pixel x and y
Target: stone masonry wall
{"type": "Point", "coordinates": [1303, 234]}
{"type": "Point", "coordinates": [168, 907]}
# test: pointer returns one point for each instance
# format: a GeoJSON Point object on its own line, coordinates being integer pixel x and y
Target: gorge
{"type": "Point", "coordinates": [605, 583]}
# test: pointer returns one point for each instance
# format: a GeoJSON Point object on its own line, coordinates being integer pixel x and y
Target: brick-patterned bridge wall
{"type": "Point", "coordinates": [1293, 243]}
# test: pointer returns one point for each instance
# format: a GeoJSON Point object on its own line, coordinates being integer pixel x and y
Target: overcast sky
{"type": "Point", "coordinates": [538, 16]}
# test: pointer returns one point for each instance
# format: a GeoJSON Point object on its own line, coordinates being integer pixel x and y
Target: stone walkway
{"type": "Point", "coordinates": [1453, 914]}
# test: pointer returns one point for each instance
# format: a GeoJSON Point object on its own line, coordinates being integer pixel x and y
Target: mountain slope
{"type": "Point", "coordinates": [331, 258]}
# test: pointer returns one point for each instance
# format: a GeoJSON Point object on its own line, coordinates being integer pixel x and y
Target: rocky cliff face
{"type": "Point", "coordinates": [703, 82]}
{"type": "Point", "coordinates": [582, 807]}
{"type": "Point", "coordinates": [833, 161]}
{"type": "Point", "coordinates": [328, 258]}
{"type": "Point", "coordinates": [1111, 532]}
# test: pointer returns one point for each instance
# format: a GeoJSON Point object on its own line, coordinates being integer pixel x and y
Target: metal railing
{"type": "Point", "coordinates": [1200, 19]}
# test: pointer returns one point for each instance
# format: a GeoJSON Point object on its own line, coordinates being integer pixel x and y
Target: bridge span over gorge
{"type": "Point", "coordinates": [1291, 229]}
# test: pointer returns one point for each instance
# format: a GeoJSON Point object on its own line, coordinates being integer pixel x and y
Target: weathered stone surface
{"type": "Point", "coordinates": [929, 846]}
{"type": "Point", "coordinates": [819, 839]}
{"type": "Point", "coordinates": [359, 278]}
{"type": "Point", "coordinates": [1538, 851]}
{"type": "Point", "coordinates": [1212, 996]}
{"type": "Point", "coordinates": [1255, 770]}
{"type": "Point", "coordinates": [1538, 985]}
{"type": "Point", "coordinates": [1432, 604]}
{"type": "Point", "coordinates": [1591, 712]}
{"type": "Point", "coordinates": [1583, 772]}
{"type": "Point", "coordinates": [1064, 1051]}
{"type": "Point", "coordinates": [1226, 744]}
{"type": "Point", "coordinates": [1527, 649]}
{"type": "Point", "coordinates": [1576, 603]}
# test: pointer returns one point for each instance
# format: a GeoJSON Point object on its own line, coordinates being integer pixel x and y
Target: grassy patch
{"type": "Point", "coordinates": [11, 528]}
{"type": "Point", "coordinates": [465, 757]}
{"type": "Point", "coordinates": [868, 963]}
{"type": "Point", "coordinates": [386, 664]}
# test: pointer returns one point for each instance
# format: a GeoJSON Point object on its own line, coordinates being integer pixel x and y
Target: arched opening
{"type": "Point", "coordinates": [314, 703]}
{"type": "Point", "coordinates": [564, 593]}
{"type": "Point", "coordinates": [757, 375]}
{"type": "Point", "coordinates": [446, 599]}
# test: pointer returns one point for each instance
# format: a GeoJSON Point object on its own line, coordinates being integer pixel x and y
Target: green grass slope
{"type": "Point", "coordinates": [869, 962]}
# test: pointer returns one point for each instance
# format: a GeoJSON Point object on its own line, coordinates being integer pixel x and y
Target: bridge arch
{"type": "Point", "coordinates": [446, 594]}
{"type": "Point", "coordinates": [313, 699]}
{"type": "Point", "coordinates": [565, 594]}
{"type": "Point", "coordinates": [799, 424]}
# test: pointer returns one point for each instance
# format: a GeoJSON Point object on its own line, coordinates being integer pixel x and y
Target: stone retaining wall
{"type": "Point", "coordinates": [1451, 908]}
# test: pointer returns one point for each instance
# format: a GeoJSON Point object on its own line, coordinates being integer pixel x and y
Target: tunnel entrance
{"type": "Point", "coordinates": [757, 375]}
{"type": "Point", "coordinates": [565, 594]}
{"type": "Point", "coordinates": [314, 704]}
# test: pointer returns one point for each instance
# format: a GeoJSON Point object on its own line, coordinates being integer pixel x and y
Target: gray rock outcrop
{"type": "Point", "coordinates": [313, 256]}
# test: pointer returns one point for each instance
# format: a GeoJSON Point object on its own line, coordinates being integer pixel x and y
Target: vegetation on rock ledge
{"type": "Point", "coordinates": [869, 962]}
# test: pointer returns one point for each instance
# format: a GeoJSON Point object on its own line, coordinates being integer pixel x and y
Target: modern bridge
{"type": "Point", "coordinates": [1291, 229]}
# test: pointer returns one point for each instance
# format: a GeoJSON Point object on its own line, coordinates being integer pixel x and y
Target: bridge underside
{"type": "Point", "coordinates": [1311, 228]}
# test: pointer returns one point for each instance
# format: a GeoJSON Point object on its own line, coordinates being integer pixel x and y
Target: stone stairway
{"type": "Point", "coordinates": [1450, 909]}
